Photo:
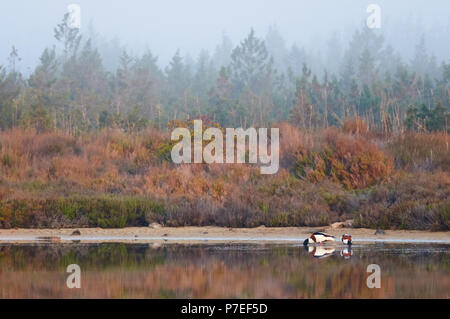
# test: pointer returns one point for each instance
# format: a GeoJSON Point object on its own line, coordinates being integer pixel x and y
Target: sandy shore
{"type": "Point", "coordinates": [214, 234]}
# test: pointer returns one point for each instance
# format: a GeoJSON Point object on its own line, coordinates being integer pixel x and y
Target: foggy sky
{"type": "Point", "coordinates": [163, 26]}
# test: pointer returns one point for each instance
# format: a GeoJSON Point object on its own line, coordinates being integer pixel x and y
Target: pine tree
{"type": "Point", "coordinates": [69, 37]}
{"type": "Point", "coordinates": [251, 65]}
{"type": "Point", "coordinates": [178, 87]}
{"type": "Point", "coordinates": [420, 60]}
{"type": "Point", "coordinates": [222, 108]}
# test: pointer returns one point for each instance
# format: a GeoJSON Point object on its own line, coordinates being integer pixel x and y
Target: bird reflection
{"type": "Point", "coordinates": [320, 251]}
{"type": "Point", "coordinates": [346, 252]}
{"type": "Point", "coordinates": [324, 251]}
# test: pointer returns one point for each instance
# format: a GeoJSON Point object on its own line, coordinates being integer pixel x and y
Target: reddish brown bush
{"type": "Point", "coordinates": [421, 151]}
{"type": "Point", "coordinates": [112, 171]}
{"type": "Point", "coordinates": [352, 161]}
{"type": "Point", "coordinates": [356, 126]}
{"type": "Point", "coordinates": [412, 201]}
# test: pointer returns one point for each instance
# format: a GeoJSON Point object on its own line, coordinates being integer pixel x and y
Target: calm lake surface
{"type": "Point", "coordinates": [224, 270]}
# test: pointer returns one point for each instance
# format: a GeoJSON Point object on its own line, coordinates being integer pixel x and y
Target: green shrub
{"type": "Point", "coordinates": [105, 212]}
{"type": "Point", "coordinates": [6, 160]}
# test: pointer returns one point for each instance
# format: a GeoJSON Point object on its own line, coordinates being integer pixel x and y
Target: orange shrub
{"type": "Point", "coordinates": [355, 125]}
{"type": "Point", "coordinates": [350, 160]}
{"type": "Point", "coordinates": [292, 141]}
{"type": "Point", "coordinates": [421, 151]}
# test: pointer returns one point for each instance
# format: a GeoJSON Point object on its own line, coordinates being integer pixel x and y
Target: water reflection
{"type": "Point", "coordinates": [320, 251]}
{"type": "Point", "coordinates": [223, 270]}
{"type": "Point", "coordinates": [327, 251]}
{"type": "Point", "coordinates": [346, 252]}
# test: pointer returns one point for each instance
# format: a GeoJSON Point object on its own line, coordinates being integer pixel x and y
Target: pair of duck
{"type": "Point", "coordinates": [319, 238]}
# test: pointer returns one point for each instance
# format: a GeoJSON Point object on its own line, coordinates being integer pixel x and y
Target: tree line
{"type": "Point", "coordinates": [256, 83]}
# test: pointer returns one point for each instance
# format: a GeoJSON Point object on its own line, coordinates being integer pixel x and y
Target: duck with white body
{"type": "Point", "coordinates": [318, 238]}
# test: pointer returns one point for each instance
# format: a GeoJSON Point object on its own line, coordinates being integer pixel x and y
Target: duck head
{"type": "Point", "coordinates": [346, 239]}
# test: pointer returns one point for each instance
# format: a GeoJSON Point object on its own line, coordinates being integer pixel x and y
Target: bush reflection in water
{"type": "Point", "coordinates": [223, 270]}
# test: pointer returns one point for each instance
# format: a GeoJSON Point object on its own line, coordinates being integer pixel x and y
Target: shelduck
{"type": "Point", "coordinates": [318, 238]}
{"type": "Point", "coordinates": [346, 239]}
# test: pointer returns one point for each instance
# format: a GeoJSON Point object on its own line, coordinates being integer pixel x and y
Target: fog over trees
{"type": "Point", "coordinates": [249, 64]}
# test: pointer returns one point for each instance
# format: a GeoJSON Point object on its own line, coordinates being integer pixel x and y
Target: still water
{"type": "Point", "coordinates": [224, 271]}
